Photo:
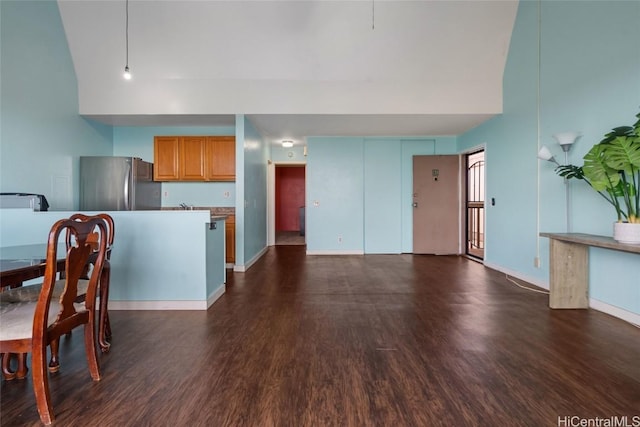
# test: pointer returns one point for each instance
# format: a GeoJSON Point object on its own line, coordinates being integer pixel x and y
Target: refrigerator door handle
{"type": "Point", "coordinates": [127, 176]}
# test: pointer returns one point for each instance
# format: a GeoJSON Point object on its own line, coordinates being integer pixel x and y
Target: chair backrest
{"type": "Point", "coordinates": [111, 231]}
{"type": "Point", "coordinates": [80, 251]}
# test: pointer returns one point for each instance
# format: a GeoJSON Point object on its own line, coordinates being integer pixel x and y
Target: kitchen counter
{"type": "Point", "coordinates": [162, 260]}
{"type": "Point", "coordinates": [217, 213]}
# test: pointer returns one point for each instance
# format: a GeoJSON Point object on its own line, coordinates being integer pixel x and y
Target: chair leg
{"type": "Point", "coordinates": [41, 383]}
{"type": "Point", "coordinates": [54, 363]}
{"type": "Point", "coordinates": [104, 333]}
{"type": "Point", "coordinates": [90, 349]}
{"type": "Point", "coordinates": [7, 373]}
{"type": "Point", "coordinates": [107, 329]}
{"type": "Point", "coordinates": [21, 373]}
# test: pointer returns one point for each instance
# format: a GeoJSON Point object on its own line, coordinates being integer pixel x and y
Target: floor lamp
{"type": "Point", "coordinates": [565, 140]}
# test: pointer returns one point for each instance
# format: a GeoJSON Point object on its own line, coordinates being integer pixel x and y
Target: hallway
{"type": "Point", "coordinates": [289, 238]}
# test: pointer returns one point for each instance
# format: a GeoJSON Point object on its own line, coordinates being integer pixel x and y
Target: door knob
{"type": "Point", "coordinates": [415, 204]}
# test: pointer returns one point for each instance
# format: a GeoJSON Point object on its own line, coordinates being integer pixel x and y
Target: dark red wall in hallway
{"type": "Point", "coordinates": [289, 197]}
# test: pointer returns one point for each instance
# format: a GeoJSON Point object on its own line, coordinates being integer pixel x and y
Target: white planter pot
{"type": "Point", "coordinates": [624, 232]}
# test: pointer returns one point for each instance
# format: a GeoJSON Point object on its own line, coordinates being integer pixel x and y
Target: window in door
{"type": "Point", "coordinates": [475, 205]}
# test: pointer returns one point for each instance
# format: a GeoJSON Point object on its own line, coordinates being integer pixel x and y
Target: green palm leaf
{"type": "Point", "coordinates": [623, 154]}
{"type": "Point", "coordinates": [612, 168]}
{"type": "Point", "coordinates": [597, 171]}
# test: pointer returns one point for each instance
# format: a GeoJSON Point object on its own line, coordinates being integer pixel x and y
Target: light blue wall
{"type": "Point", "coordinates": [589, 82]}
{"type": "Point", "coordinates": [382, 200]}
{"type": "Point", "coordinates": [240, 189]}
{"type": "Point", "coordinates": [361, 183]}
{"type": "Point", "coordinates": [145, 265]}
{"type": "Point", "coordinates": [510, 156]}
{"type": "Point", "coordinates": [215, 258]}
{"type": "Point", "coordinates": [256, 154]}
{"type": "Point", "coordinates": [41, 134]}
{"type": "Point", "coordinates": [293, 154]}
{"type": "Point", "coordinates": [335, 182]}
{"type": "Point", "coordinates": [137, 141]}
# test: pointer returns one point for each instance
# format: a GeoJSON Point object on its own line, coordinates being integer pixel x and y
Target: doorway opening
{"type": "Point", "coordinates": [290, 205]}
{"type": "Point", "coordinates": [475, 205]}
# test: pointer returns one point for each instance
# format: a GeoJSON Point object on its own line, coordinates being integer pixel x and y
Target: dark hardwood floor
{"type": "Point", "coordinates": [375, 340]}
{"type": "Point", "coordinates": [289, 238]}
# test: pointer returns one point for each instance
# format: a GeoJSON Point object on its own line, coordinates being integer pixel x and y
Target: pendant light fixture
{"type": "Point", "coordinates": [127, 73]}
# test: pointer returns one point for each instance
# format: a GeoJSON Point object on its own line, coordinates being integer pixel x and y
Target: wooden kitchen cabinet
{"type": "Point", "coordinates": [221, 158]}
{"type": "Point", "coordinates": [165, 158]}
{"type": "Point", "coordinates": [230, 239]}
{"type": "Point", "coordinates": [194, 158]}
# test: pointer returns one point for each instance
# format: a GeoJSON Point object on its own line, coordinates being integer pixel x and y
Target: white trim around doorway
{"type": "Point", "coordinates": [271, 197]}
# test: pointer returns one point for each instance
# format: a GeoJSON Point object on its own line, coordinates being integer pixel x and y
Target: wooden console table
{"type": "Point", "coordinates": [569, 266]}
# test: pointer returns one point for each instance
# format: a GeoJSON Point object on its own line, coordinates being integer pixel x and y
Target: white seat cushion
{"type": "Point", "coordinates": [16, 319]}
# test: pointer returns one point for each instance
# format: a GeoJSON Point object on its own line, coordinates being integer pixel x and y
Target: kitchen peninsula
{"type": "Point", "coordinates": [161, 260]}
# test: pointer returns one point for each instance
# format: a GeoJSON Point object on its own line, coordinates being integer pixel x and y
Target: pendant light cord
{"type": "Point", "coordinates": [127, 31]}
{"type": "Point", "coordinates": [373, 14]}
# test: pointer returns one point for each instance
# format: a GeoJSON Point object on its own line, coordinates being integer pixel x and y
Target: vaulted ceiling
{"type": "Point", "coordinates": [296, 68]}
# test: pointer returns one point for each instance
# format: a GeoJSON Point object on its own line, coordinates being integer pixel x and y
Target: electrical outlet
{"type": "Point", "coordinates": [536, 262]}
{"type": "Point", "coordinates": [226, 194]}
{"type": "Point", "coordinates": [339, 239]}
{"type": "Point", "coordinates": [166, 194]}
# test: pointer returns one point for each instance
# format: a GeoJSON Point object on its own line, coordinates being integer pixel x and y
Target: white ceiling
{"type": "Point", "coordinates": [295, 68]}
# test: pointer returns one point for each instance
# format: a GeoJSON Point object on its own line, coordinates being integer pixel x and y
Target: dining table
{"type": "Point", "coordinates": [20, 265]}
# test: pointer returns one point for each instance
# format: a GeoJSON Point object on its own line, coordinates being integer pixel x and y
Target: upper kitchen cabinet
{"type": "Point", "coordinates": [221, 158]}
{"type": "Point", "coordinates": [165, 158]}
{"type": "Point", "coordinates": [194, 158]}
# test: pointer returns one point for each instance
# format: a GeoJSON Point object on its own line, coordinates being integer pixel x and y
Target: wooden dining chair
{"type": "Point", "coordinates": [30, 326]}
{"type": "Point", "coordinates": [104, 326]}
{"type": "Point", "coordinates": [31, 293]}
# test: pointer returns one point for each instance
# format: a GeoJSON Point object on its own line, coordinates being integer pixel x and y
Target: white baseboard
{"type": "Point", "coordinates": [215, 295]}
{"type": "Point", "coordinates": [246, 266]}
{"type": "Point", "coordinates": [356, 252]}
{"type": "Point", "coordinates": [595, 304]}
{"type": "Point", "coordinates": [620, 313]}
{"type": "Point", "coordinates": [158, 305]}
{"type": "Point", "coordinates": [518, 275]}
{"type": "Point", "coordinates": [168, 305]}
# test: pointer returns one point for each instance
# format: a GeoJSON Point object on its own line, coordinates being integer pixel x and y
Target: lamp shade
{"type": "Point", "coordinates": [544, 153]}
{"type": "Point", "coordinates": [566, 139]}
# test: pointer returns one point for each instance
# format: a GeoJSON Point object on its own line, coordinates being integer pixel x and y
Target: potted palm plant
{"type": "Point", "coordinates": [612, 168]}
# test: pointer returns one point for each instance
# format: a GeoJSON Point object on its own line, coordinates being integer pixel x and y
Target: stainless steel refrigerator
{"type": "Point", "coordinates": [117, 184]}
